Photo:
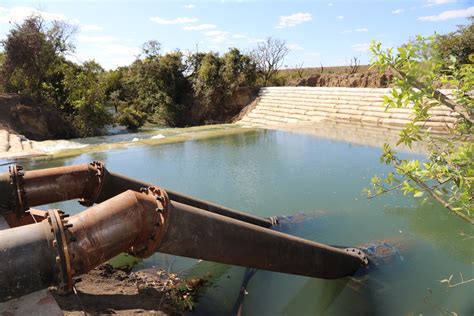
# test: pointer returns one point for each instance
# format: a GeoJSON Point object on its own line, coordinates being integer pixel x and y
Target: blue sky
{"type": "Point", "coordinates": [328, 32]}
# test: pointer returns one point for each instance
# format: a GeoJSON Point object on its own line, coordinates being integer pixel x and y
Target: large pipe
{"type": "Point", "coordinates": [204, 235]}
{"type": "Point", "coordinates": [92, 183]}
{"type": "Point", "coordinates": [56, 250]}
{"type": "Point", "coordinates": [21, 189]}
{"type": "Point", "coordinates": [116, 183]}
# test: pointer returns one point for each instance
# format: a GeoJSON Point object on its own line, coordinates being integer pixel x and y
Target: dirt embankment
{"type": "Point", "coordinates": [367, 79]}
{"type": "Point", "coordinates": [105, 290]}
{"type": "Point", "coordinates": [21, 115]}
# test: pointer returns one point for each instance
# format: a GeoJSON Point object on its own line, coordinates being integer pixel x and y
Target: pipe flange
{"type": "Point", "coordinates": [97, 168]}
{"type": "Point", "coordinates": [19, 196]}
{"type": "Point", "coordinates": [359, 253]}
{"type": "Point", "coordinates": [57, 220]}
{"type": "Point", "coordinates": [162, 212]}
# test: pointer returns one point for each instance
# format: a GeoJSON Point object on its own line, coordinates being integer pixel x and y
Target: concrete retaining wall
{"type": "Point", "coordinates": [281, 105]}
{"type": "Point", "coordinates": [15, 146]}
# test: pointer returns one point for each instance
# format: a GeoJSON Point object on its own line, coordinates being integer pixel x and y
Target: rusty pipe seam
{"type": "Point", "coordinates": [24, 189]}
{"type": "Point", "coordinates": [64, 248]}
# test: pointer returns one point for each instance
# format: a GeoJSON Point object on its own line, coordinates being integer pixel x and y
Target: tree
{"type": "Point", "coordinates": [269, 56]}
{"type": "Point", "coordinates": [151, 49]}
{"type": "Point", "coordinates": [86, 93]}
{"type": "Point", "coordinates": [448, 173]}
{"type": "Point", "coordinates": [32, 49]}
{"type": "Point", "coordinates": [459, 44]}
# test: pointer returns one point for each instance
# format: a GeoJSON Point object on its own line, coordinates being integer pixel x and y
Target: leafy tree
{"type": "Point", "coordinates": [215, 81]}
{"type": "Point", "coordinates": [448, 173]}
{"type": "Point", "coordinates": [32, 49]}
{"type": "Point", "coordinates": [131, 118]}
{"type": "Point", "coordinates": [86, 94]}
{"type": "Point", "coordinates": [459, 44]}
{"type": "Point", "coordinates": [157, 86]}
{"type": "Point", "coordinates": [269, 56]}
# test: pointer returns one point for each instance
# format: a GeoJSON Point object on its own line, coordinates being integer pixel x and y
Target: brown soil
{"type": "Point", "coordinates": [105, 290]}
{"type": "Point", "coordinates": [368, 79]}
{"type": "Point", "coordinates": [21, 115]}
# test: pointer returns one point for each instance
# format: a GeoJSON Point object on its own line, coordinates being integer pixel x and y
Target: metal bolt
{"type": "Point", "coordinates": [68, 225]}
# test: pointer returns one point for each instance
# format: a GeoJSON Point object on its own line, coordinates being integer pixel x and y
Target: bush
{"type": "Point", "coordinates": [131, 118]}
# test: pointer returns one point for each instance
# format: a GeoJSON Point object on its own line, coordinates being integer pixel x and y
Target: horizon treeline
{"type": "Point", "coordinates": [173, 89]}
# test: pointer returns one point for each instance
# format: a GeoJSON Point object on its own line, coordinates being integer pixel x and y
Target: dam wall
{"type": "Point", "coordinates": [364, 106]}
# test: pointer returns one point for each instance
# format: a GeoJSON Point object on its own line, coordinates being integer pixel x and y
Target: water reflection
{"type": "Point", "coordinates": [272, 173]}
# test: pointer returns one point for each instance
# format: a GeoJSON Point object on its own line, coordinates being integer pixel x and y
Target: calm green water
{"type": "Point", "coordinates": [279, 173]}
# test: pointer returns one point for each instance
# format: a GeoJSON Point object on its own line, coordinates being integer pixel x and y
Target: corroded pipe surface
{"type": "Point", "coordinates": [130, 221]}
{"type": "Point", "coordinates": [116, 183]}
{"type": "Point", "coordinates": [22, 189]}
{"type": "Point", "coordinates": [204, 235]}
{"type": "Point", "coordinates": [60, 248]}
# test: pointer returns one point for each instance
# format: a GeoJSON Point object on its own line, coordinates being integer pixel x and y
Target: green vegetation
{"type": "Point", "coordinates": [420, 67]}
{"type": "Point", "coordinates": [173, 89]}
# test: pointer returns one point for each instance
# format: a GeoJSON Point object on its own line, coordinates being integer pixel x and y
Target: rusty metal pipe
{"type": "Point", "coordinates": [116, 183]}
{"type": "Point", "coordinates": [92, 183]}
{"type": "Point", "coordinates": [23, 189]}
{"type": "Point", "coordinates": [194, 233]}
{"type": "Point", "coordinates": [54, 251]}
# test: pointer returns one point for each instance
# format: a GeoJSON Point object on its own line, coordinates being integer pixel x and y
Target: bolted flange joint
{"type": "Point", "coordinates": [97, 171]}
{"type": "Point", "coordinates": [19, 196]}
{"type": "Point", "coordinates": [59, 228]}
{"type": "Point", "coordinates": [159, 227]}
{"type": "Point", "coordinates": [361, 254]}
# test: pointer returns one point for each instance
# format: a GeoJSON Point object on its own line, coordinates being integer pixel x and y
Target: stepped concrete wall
{"type": "Point", "coordinates": [282, 105]}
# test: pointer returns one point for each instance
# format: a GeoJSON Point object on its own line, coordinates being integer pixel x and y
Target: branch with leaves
{"type": "Point", "coordinates": [448, 173]}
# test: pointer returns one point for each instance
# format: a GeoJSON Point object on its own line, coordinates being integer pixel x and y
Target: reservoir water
{"type": "Point", "coordinates": [270, 173]}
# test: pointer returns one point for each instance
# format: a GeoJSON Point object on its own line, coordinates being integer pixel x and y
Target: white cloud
{"type": "Point", "coordinates": [361, 47]}
{"type": "Point", "coordinates": [179, 20]}
{"type": "Point", "coordinates": [215, 33]}
{"type": "Point", "coordinates": [109, 55]}
{"type": "Point", "coordinates": [217, 36]}
{"type": "Point", "coordinates": [447, 15]}
{"type": "Point", "coordinates": [91, 27]}
{"type": "Point", "coordinates": [430, 3]}
{"type": "Point", "coordinates": [398, 11]}
{"type": "Point", "coordinates": [19, 13]}
{"type": "Point", "coordinates": [330, 4]}
{"type": "Point", "coordinates": [239, 36]}
{"type": "Point", "coordinates": [189, 6]}
{"type": "Point", "coordinates": [340, 17]}
{"type": "Point", "coordinates": [293, 20]}
{"type": "Point", "coordinates": [199, 27]}
{"type": "Point", "coordinates": [253, 40]}
{"type": "Point", "coordinates": [96, 39]}
{"type": "Point", "coordinates": [359, 30]}
{"type": "Point", "coordinates": [294, 47]}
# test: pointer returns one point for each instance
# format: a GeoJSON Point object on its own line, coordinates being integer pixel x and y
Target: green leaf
{"type": "Point", "coordinates": [418, 194]}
